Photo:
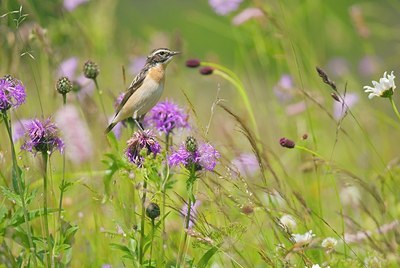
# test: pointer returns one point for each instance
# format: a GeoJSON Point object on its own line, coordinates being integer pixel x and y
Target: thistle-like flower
{"type": "Point", "coordinates": [167, 116]}
{"type": "Point", "coordinates": [141, 140]}
{"type": "Point", "coordinates": [42, 136]}
{"type": "Point", "coordinates": [63, 85]}
{"type": "Point", "coordinates": [384, 88]}
{"type": "Point", "coordinates": [12, 93]}
{"type": "Point", "coordinates": [90, 70]}
{"type": "Point", "coordinates": [194, 156]}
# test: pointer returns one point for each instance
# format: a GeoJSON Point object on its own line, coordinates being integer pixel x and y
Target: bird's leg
{"type": "Point", "coordinates": [139, 125]}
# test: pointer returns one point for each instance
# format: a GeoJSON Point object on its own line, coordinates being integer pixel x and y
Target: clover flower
{"type": "Point", "coordinates": [167, 116]}
{"type": "Point", "coordinates": [12, 93]}
{"type": "Point", "coordinates": [42, 136]}
{"type": "Point", "coordinates": [139, 141]}
{"type": "Point", "coordinates": [224, 7]}
{"type": "Point", "coordinates": [193, 156]}
{"type": "Point", "coordinates": [384, 88]}
{"type": "Point", "coordinates": [303, 239]}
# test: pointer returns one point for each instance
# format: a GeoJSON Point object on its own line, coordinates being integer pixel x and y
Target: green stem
{"type": "Point", "coordinates": [394, 107]}
{"type": "Point", "coordinates": [152, 239]}
{"type": "Point", "coordinates": [143, 216]}
{"type": "Point", "coordinates": [20, 186]}
{"type": "Point", "coordinates": [163, 205]}
{"type": "Point", "coordinates": [235, 81]}
{"type": "Point", "coordinates": [310, 151]}
{"type": "Point", "coordinates": [101, 99]}
{"type": "Point", "coordinates": [62, 187]}
{"type": "Point", "coordinates": [46, 220]}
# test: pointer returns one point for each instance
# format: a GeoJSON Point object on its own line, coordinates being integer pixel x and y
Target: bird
{"type": "Point", "coordinates": [145, 89]}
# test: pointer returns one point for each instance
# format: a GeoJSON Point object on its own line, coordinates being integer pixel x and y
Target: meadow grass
{"type": "Point", "coordinates": [265, 160]}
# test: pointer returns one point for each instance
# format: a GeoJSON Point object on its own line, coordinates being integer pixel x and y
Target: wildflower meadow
{"type": "Point", "coordinates": [214, 133]}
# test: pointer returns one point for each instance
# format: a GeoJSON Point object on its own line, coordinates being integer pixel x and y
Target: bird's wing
{"type": "Point", "coordinates": [136, 83]}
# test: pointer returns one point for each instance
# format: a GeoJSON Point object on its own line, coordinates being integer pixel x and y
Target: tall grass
{"type": "Point", "coordinates": [339, 179]}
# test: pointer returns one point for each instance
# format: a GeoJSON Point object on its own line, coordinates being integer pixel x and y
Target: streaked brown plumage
{"type": "Point", "coordinates": [145, 89]}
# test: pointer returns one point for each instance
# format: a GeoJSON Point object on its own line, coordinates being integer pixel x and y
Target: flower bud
{"type": "Point", "coordinates": [287, 143]}
{"type": "Point", "coordinates": [191, 144]}
{"type": "Point", "coordinates": [91, 70]}
{"type": "Point", "coordinates": [63, 85]}
{"type": "Point", "coordinates": [153, 211]}
{"type": "Point", "coordinates": [206, 70]}
{"type": "Point", "coordinates": [193, 63]}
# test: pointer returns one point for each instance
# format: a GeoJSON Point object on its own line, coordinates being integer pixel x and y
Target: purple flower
{"type": "Point", "coordinates": [340, 109]}
{"type": "Point", "coordinates": [247, 14]}
{"type": "Point", "coordinates": [167, 116]}
{"type": "Point", "coordinates": [246, 164]}
{"type": "Point", "coordinates": [195, 157]}
{"type": "Point", "coordinates": [18, 129]}
{"type": "Point", "coordinates": [12, 93]}
{"type": "Point", "coordinates": [76, 134]}
{"type": "Point", "coordinates": [139, 141]}
{"type": "Point", "coordinates": [284, 89]}
{"type": "Point", "coordinates": [284, 142]}
{"type": "Point", "coordinates": [224, 7]}
{"type": "Point", "coordinates": [42, 137]}
{"type": "Point", "coordinates": [72, 4]}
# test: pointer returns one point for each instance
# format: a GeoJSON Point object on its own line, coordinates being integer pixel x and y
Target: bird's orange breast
{"type": "Point", "coordinates": [157, 73]}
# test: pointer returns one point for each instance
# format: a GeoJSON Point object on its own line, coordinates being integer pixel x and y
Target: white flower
{"type": "Point", "coordinates": [288, 222]}
{"type": "Point", "coordinates": [316, 266]}
{"type": "Point", "coordinates": [303, 239]}
{"type": "Point", "coordinates": [384, 88]}
{"type": "Point", "coordinates": [329, 243]}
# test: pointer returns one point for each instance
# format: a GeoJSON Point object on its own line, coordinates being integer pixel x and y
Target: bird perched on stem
{"type": "Point", "coordinates": [145, 90]}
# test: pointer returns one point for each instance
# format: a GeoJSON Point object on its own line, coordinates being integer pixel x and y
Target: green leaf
{"type": "Point", "coordinates": [11, 196]}
{"type": "Point", "coordinates": [18, 218]}
{"type": "Point", "coordinates": [206, 257]}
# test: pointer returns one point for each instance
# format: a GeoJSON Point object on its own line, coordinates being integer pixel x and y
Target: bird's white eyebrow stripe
{"type": "Point", "coordinates": [158, 51]}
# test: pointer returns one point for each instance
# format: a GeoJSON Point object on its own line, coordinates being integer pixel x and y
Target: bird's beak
{"type": "Point", "coordinates": [175, 53]}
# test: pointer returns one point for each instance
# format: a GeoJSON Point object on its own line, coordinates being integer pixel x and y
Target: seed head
{"type": "Point", "coordinates": [206, 70]}
{"type": "Point", "coordinates": [91, 70]}
{"type": "Point", "coordinates": [64, 85]}
{"type": "Point", "coordinates": [193, 63]}
{"type": "Point", "coordinates": [287, 143]}
{"type": "Point", "coordinates": [153, 211]}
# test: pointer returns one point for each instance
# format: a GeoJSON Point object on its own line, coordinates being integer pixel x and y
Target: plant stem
{"type": "Point", "coordinates": [46, 221]}
{"type": "Point", "coordinates": [152, 239]}
{"type": "Point", "coordinates": [20, 186]}
{"type": "Point", "coordinates": [163, 205]}
{"type": "Point", "coordinates": [100, 98]}
{"type": "Point", "coordinates": [394, 107]}
{"type": "Point", "coordinates": [62, 187]}
{"type": "Point", "coordinates": [141, 247]}
{"type": "Point", "coordinates": [187, 221]}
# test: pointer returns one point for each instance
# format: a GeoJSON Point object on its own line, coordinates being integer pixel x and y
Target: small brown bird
{"type": "Point", "coordinates": [145, 90]}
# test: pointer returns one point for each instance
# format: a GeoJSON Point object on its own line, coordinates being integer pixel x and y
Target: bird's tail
{"type": "Point", "coordinates": [110, 127]}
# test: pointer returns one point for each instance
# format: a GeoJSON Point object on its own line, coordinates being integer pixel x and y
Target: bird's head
{"type": "Point", "coordinates": [161, 56]}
